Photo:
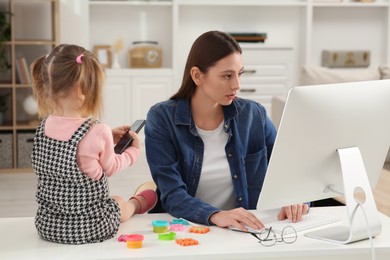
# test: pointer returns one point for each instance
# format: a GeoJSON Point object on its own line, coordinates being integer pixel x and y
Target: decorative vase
{"type": "Point", "coordinates": [30, 105]}
{"type": "Point", "coordinates": [115, 64]}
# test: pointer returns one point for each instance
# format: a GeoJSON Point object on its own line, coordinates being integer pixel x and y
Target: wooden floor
{"type": "Point", "coordinates": [381, 192]}
{"type": "Point", "coordinates": [17, 190]}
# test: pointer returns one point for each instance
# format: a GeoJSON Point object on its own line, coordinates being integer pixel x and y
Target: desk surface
{"type": "Point", "coordinates": [19, 240]}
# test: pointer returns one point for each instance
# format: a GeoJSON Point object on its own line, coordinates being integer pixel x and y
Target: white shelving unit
{"type": "Point", "coordinates": [304, 27]}
{"type": "Point", "coordinates": [308, 26]}
{"type": "Point", "coordinates": [130, 93]}
{"type": "Point", "coordinates": [131, 21]}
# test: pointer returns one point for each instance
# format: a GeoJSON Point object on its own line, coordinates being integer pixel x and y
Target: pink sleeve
{"type": "Point", "coordinates": [96, 154]}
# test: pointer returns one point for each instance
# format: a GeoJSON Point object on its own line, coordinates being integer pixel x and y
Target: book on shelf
{"type": "Point", "coordinates": [18, 72]}
{"type": "Point", "coordinates": [23, 71]}
{"type": "Point", "coordinates": [249, 37]}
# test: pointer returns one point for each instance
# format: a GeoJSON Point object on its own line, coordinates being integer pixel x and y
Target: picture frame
{"type": "Point", "coordinates": [103, 54]}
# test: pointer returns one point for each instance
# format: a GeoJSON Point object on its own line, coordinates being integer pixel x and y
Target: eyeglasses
{"type": "Point", "coordinates": [268, 237]}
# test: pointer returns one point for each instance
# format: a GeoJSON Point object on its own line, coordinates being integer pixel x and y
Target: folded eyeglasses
{"type": "Point", "coordinates": [268, 237]}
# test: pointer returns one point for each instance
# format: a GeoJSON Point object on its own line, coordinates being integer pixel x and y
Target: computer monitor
{"type": "Point", "coordinates": [332, 138]}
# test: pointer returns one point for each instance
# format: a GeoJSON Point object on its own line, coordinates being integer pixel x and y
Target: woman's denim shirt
{"type": "Point", "coordinates": [174, 153]}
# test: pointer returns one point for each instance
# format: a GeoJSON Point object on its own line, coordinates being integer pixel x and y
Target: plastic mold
{"type": "Point", "coordinates": [199, 230]}
{"type": "Point", "coordinates": [187, 242]}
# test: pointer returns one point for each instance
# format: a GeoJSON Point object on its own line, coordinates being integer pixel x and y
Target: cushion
{"type": "Point", "coordinates": [384, 71]}
{"type": "Point", "coordinates": [314, 75]}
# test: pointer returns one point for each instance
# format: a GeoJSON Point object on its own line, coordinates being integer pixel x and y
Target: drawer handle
{"type": "Point", "coordinates": [249, 71]}
{"type": "Point", "coordinates": [251, 90]}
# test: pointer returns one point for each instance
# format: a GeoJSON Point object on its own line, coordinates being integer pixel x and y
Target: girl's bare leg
{"type": "Point", "coordinates": [129, 207]}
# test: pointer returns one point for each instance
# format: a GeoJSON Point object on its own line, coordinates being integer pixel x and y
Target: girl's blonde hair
{"type": "Point", "coordinates": [55, 75]}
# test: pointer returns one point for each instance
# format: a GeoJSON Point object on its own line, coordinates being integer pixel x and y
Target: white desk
{"type": "Point", "coordinates": [19, 240]}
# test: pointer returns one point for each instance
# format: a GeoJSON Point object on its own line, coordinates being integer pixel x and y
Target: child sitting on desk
{"type": "Point", "coordinates": [73, 154]}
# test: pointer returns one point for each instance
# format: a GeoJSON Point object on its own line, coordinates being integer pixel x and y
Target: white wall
{"type": "Point", "coordinates": [74, 25]}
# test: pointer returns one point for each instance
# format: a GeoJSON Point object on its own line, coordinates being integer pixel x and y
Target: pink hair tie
{"type": "Point", "coordinates": [78, 59]}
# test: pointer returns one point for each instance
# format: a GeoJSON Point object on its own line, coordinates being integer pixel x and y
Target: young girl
{"type": "Point", "coordinates": [73, 154]}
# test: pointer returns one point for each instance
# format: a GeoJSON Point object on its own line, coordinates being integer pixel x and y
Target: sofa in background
{"type": "Point", "coordinates": [314, 75]}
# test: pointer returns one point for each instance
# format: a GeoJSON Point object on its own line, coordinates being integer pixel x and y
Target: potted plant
{"type": "Point", "coordinates": [5, 35]}
{"type": "Point", "coordinates": [3, 106]}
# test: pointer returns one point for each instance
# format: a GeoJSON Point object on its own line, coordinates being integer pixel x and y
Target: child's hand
{"type": "Point", "coordinates": [118, 132]}
{"type": "Point", "coordinates": [136, 142]}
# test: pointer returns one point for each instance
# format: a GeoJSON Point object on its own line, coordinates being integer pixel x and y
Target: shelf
{"type": "Point", "coordinates": [139, 72]}
{"type": "Point", "coordinates": [241, 3]}
{"type": "Point", "coordinates": [150, 22]}
{"type": "Point", "coordinates": [354, 4]}
{"type": "Point", "coordinates": [300, 24]}
{"type": "Point", "coordinates": [33, 1]}
{"type": "Point", "coordinates": [34, 32]}
{"type": "Point", "coordinates": [6, 126]}
{"type": "Point", "coordinates": [15, 170]}
{"type": "Point", "coordinates": [22, 86]}
{"type": "Point", "coordinates": [33, 42]}
{"type": "Point", "coordinates": [264, 46]}
{"type": "Point", "coordinates": [131, 2]}
{"type": "Point", "coordinates": [27, 125]}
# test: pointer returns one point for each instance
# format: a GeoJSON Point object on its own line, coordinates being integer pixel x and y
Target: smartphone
{"type": "Point", "coordinates": [126, 139]}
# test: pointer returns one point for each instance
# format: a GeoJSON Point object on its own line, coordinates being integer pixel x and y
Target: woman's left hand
{"type": "Point", "coordinates": [293, 212]}
{"type": "Point", "coordinates": [118, 132]}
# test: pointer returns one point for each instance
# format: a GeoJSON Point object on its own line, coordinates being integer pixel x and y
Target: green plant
{"type": "Point", "coordinates": [5, 35]}
{"type": "Point", "coordinates": [3, 102]}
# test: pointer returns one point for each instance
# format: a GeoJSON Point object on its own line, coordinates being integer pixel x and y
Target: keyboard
{"type": "Point", "coordinates": [308, 221]}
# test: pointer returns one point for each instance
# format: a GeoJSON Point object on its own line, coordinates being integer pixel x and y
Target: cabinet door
{"type": "Point", "coordinates": [148, 91]}
{"type": "Point", "coordinates": [268, 73]}
{"type": "Point", "coordinates": [117, 105]}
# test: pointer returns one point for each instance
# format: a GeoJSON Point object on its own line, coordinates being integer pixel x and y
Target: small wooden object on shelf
{"type": "Point", "coordinates": [103, 53]}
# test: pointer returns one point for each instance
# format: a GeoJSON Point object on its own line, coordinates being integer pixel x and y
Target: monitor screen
{"type": "Point", "coordinates": [316, 122]}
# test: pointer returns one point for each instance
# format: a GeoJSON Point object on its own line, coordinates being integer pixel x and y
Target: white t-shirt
{"type": "Point", "coordinates": [215, 184]}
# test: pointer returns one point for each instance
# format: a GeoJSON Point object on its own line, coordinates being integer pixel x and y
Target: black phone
{"type": "Point", "coordinates": [126, 139]}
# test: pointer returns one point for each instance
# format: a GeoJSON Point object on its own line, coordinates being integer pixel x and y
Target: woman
{"type": "Point", "coordinates": [207, 149]}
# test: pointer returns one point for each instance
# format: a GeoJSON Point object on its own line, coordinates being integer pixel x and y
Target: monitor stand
{"type": "Point", "coordinates": [363, 217]}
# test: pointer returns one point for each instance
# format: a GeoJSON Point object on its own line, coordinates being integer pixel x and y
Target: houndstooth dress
{"type": "Point", "coordinates": [72, 208]}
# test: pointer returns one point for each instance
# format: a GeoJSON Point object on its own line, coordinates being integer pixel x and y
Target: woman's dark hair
{"type": "Point", "coordinates": [208, 49]}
